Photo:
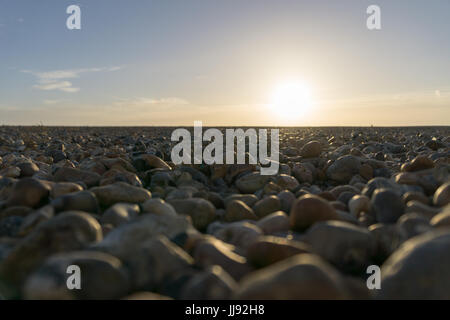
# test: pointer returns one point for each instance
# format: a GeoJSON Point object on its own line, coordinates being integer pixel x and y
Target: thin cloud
{"type": "Point", "coordinates": [57, 79]}
{"type": "Point", "coordinates": [111, 69]}
{"type": "Point", "coordinates": [145, 102]}
{"type": "Point", "coordinates": [65, 86]}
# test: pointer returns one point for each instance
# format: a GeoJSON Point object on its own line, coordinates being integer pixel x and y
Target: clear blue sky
{"type": "Point", "coordinates": [144, 62]}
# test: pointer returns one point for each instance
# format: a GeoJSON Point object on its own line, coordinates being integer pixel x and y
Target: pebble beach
{"type": "Point", "coordinates": [111, 201]}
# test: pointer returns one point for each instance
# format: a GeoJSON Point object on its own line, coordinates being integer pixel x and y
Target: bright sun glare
{"type": "Point", "coordinates": [291, 100]}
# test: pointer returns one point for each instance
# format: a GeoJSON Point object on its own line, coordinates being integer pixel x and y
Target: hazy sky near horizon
{"type": "Point", "coordinates": [171, 62]}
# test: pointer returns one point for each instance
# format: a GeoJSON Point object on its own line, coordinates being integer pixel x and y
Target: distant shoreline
{"type": "Point", "coordinates": [211, 126]}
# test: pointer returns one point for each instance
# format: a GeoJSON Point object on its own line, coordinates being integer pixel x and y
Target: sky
{"type": "Point", "coordinates": [222, 62]}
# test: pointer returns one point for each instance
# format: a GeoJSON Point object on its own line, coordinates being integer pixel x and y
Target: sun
{"type": "Point", "coordinates": [291, 100]}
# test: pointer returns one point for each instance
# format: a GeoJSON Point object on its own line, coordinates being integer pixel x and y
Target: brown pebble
{"type": "Point", "coordinates": [310, 209]}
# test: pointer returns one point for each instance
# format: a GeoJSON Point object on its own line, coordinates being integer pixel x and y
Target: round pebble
{"type": "Point", "coordinates": [310, 209]}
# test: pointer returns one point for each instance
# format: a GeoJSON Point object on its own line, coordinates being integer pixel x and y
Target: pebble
{"type": "Point", "coordinates": [347, 217]}
{"type": "Point", "coordinates": [442, 195]}
{"type": "Point", "coordinates": [386, 205]}
{"type": "Point", "coordinates": [389, 237]}
{"type": "Point", "coordinates": [268, 250]}
{"type": "Point", "coordinates": [212, 284]}
{"type": "Point", "coordinates": [49, 281]}
{"type": "Point", "coordinates": [57, 155]}
{"type": "Point", "coordinates": [287, 198]}
{"type": "Point", "coordinates": [287, 182]}
{"type": "Point", "coordinates": [10, 172]}
{"type": "Point", "coordinates": [155, 263]}
{"type": "Point", "coordinates": [274, 223]}
{"type": "Point", "coordinates": [366, 171]}
{"type": "Point", "coordinates": [327, 195]}
{"type": "Point", "coordinates": [29, 192]}
{"type": "Point", "coordinates": [348, 247]}
{"type": "Point", "coordinates": [434, 144]}
{"type": "Point", "coordinates": [122, 240]}
{"type": "Point", "coordinates": [237, 211]}
{"type": "Point", "coordinates": [345, 197]}
{"type": "Point", "coordinates": [309, 209]}
{"type": "Point", "coordinates": [415, 195]}
{"type": "Point", "coordinates": [343, 169]}
{"type": "Point", "coordinates": [10, 226]}
{"type": "Point", "coordinates": [248, 199]}
{"type": "Point", "coordinates": [113, 175]}
{"type": "Point", "coordinates": [211, 252]}
{"type": "Point", "coordinates": [338, 205]}
{"type": "Point", "coordinates": [417, 269]}
{"type": "Point", "coordinates": [69, 231]}
{"type": "Point", "coordinates": [18, 211]}
{"type": "Point", "coordinates": [67, 174]}
{"type": "Point", "coordinates": [269, 189]}
{"type": "Point", "coordinates": [33, 219]}
{"type": "Point", "coordinates": [379, 183]}
{"type": "Point", "coordinates": [27, 169]}
{"type": "Point", "coordinates": [251, 183]}
{"type": "Point", "coordinates": [201, 211]}
{"type": "Point", "coordinates": [414, 224]}
{"type": "Point", "coordinates": [358, 204]}
{"type": "Point", "coordinates": [417, 164]}
{"type": "Point", "coordinates": [336, 191]}
{"type": "Point", "coordinates": [158, 206]}
{"type": "Point", "coordinates": [240, 234]}
{"type": "Point", "coordinates": [300, 277]}
{"type": "Point", "coordinates": [62, 188]}
{"type": "Point", "coordinates": [120, 192]}
{"type": "Point", "coordinates": [180, 193]}
{"type": "Point", "coordinates": [414, 206]}
{"type": "Point", "coordinates": [79, 201]}
{"type": "Point", "coordinates": [302, 173]}
{"type": "Point", "coordinates": [441, 219]}
{"type": "Point", "coordinates": [120, 213]}
{"type": "Point", "coordinates": [267, 206]}
{"type": "Point", "coordinates": [311, 150]}
{"type": "Point", "coordinates": [426, 182]}
{"type": "Point", "coordinates": [150, 161]}
{"type": "Point", "coordinates": [365, 219]}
